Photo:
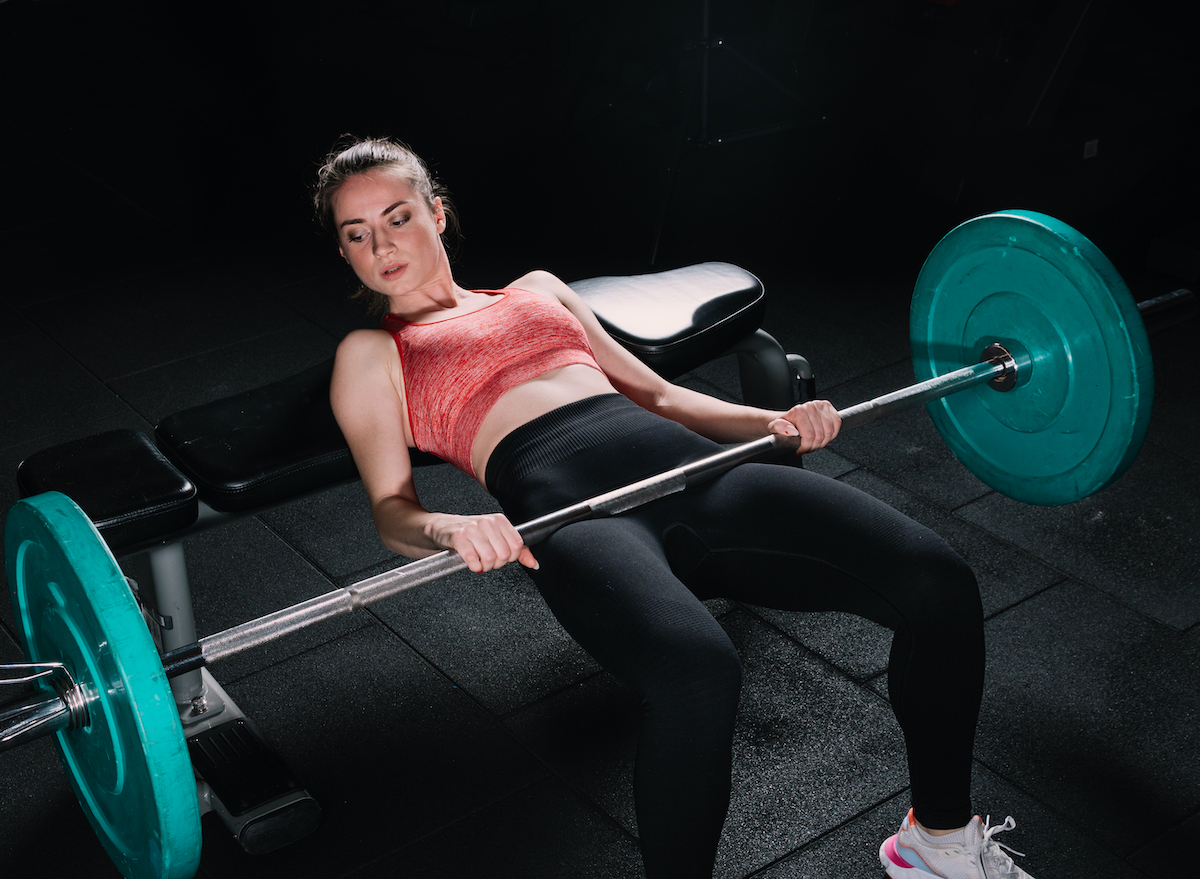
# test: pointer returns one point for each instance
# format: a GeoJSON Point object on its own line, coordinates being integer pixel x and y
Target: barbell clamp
{"type": "Point", "coordinates": [33, 716]}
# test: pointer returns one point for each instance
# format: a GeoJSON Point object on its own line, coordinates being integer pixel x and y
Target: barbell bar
{"type": "Point", "coordinates": [339, 602]}
{"type": "Point", "coordinates": [998, 368]}
{"type": "Point", "coordinates": [112, 712]}
{"type": "Point", "coordinates": [58, 713]}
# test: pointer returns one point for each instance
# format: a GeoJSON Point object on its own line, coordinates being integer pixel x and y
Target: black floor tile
{"type": "Point", "coordinates": [390, 748]}
{"type": "Point", "coordinates": [1175, 423]}
{"type": "Point", "coordinates": [811, 750]}
{"type": "Point", "coordinates": [543, 832]}
{"type": "Point", "coordinates": [1172, 853]}
{"type": "Point", "coordinates": [122, 328]}
{"type": "Point", "coordinates": [1089, 707]}
{"type": "Point", "coordinates": [47, 392]}
{"type": "Point", "coordinates": [809, 746]}
{"type": "Point", "coordinates": [492, 635]}
{"type": "Point", "coordinates": [1050, 845]}
{"type": "Point", "coordinates": [1136, 539]}
{"type": "Point", "coordinates": [164, 389]}
{"type": "Point", "coordinates": [243, 571]}
{"type": "Point", "coordinates": [904, 448]}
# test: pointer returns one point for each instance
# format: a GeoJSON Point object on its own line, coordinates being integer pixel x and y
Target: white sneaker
{"type": "Point", "coordinates": [906, 854]}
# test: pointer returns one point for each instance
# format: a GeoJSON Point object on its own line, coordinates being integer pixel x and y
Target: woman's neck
{"type": "Point", "coordinates": [427, 306]}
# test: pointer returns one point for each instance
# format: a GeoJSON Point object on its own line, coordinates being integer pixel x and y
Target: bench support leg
{"type": "Point", "coordinates": [771, 378]}
{"type": "Point", "coordinates": [238, 775]}
{"type": "Point", "coordinates": [163, 587]}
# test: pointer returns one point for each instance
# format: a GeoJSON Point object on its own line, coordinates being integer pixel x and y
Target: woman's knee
{"type": "Point", "coordinates": [696, 680]}
{"type": "Point", "coordinates": [941, 585]}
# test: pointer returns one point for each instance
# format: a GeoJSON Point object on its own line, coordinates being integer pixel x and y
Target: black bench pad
{"type": "Point", "coordinates": [683, 317]}
{"type": "Point", "coordinates": [265, 446]}
{"type": "Point", "coordinates": [262, 446]}
{"type": "Point", "coordinates": [120, 480]}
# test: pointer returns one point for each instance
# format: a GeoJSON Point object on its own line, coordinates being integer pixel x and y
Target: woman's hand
{"type": "Point", "coordinates": [485, 542]}
{"type": "Point", "coordinates": [816, 423]}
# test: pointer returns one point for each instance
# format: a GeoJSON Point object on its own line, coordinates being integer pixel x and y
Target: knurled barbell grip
{"type": "Point", "coordinates": [340, 602]}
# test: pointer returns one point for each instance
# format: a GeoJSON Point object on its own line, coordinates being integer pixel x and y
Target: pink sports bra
{"type": "Point", "coordinates": [457, 368]}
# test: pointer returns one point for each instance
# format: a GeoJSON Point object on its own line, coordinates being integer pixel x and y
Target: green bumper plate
{"type": "Point", "coordinates": [1079, 413]}
{"type": "Point", "coordinates": [129, 766]}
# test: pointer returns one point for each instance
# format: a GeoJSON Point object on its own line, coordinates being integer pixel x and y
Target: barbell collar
{"type": "Point", "coordinates": [36, 713]}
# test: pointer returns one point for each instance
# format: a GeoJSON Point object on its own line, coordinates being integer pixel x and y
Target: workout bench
{"type": "Point", "coordinates": [248, 453]}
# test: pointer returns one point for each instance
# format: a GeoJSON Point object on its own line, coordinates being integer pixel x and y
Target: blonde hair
{"type": "Point", "coordinates": [352, 156]}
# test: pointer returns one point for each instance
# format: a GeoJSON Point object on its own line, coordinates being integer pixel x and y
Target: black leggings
{"type": "Point", "coordinates": [629, 590]}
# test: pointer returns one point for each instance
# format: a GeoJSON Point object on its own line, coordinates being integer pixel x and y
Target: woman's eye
{"type": "Point", "coordinates": [400, 221]}
{"type": "Point", "coordinates": [359, 237]}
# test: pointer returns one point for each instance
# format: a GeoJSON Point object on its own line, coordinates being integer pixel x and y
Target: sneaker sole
{"type": "Point", "coordinates": [895, 866]}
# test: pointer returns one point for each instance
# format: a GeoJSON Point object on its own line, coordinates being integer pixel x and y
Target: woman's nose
{"type": "Point", "coordinates": [382, 243]}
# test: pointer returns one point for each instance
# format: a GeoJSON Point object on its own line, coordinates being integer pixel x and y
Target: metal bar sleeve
{"type": "Point", "coordinates": [1167, 310]}
{"type": "Point", "coordinates": [31, 718]}
{"type": "Point", "coordinates": [922, 392]}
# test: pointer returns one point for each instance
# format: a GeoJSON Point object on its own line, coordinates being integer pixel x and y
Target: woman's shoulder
{"type": "Point", "coordinates": [364, 347]}
{"type": "Point", "coordinates": [366, 364]}
{"type": "Point", "coordinates": [540, 281]}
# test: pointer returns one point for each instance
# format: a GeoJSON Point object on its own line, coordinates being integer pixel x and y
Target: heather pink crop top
{"type": "Point", "coordinates": [457, 368]}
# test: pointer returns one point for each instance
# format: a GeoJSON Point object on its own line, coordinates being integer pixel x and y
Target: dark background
{"type": "Point", "coordinates": [557, 124]}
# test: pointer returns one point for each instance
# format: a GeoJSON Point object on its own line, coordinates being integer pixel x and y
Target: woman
{"type": "Point", "coordinates": [523, 390]}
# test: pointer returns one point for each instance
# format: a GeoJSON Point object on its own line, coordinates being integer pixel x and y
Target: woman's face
{"type": "Point", "coordinates": [389, 234]}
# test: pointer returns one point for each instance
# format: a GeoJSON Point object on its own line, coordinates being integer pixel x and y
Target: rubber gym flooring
{"type": "Point", "coordinates": [157, 253]}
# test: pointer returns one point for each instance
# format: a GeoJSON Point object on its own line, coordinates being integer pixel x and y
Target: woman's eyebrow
{"type": "Point", "coordinates": [382, 213]}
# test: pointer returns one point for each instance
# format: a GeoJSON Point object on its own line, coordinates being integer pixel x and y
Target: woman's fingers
{"type": "Point", "coordinates": [816, 423]}
{"type": "Point", "coordinates": [526, 558]}
{"type": "Point", "coordinates": [489, 542]}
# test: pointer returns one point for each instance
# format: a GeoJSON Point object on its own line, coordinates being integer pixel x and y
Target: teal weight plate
{"type": "Point", "coordinates": [129, 766]}
{"type": "Point", "coordinates": [1079, 413]}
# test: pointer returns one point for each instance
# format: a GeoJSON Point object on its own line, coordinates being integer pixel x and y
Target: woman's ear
{"type": "Point", "coordinates": [439, 214]}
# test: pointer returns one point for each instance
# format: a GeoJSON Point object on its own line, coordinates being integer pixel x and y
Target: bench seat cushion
{"type": "Point", "coordinates": [678, 319]}
{"type": "Point", "coordinates": [262, 447]}
{"type": "Point", "coordinates": [120, 480]}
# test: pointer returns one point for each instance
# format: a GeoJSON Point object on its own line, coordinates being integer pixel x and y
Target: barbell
{"type": "Point", "coordinates": [1052, 406]}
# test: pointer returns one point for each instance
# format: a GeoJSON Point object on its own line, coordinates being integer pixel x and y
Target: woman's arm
{"type": "Point", "coordinates": [816, 423]}
{"type": "Point", "coordinates": [368, 403]}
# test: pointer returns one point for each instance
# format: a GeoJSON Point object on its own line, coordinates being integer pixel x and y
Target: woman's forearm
{"type": "Point", "coordinates": [716, 419]}
{"type": "Point", "coordinates": [485, 541]}
{"type": "Point", "coordinates": [403, 526]}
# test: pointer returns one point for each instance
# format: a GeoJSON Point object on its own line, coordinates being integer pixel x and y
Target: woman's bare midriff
{"type": "Point", "coordinates": [532, 399]}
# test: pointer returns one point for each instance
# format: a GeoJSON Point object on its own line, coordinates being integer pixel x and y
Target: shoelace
{"type": "Point", "coordinates": [988, 849]}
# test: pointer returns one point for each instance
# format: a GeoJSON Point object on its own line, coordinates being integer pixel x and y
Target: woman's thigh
{"type": "Point", "coordinates": [786, 538]}
{"type": "Point", "coordinates": [608, 583]}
